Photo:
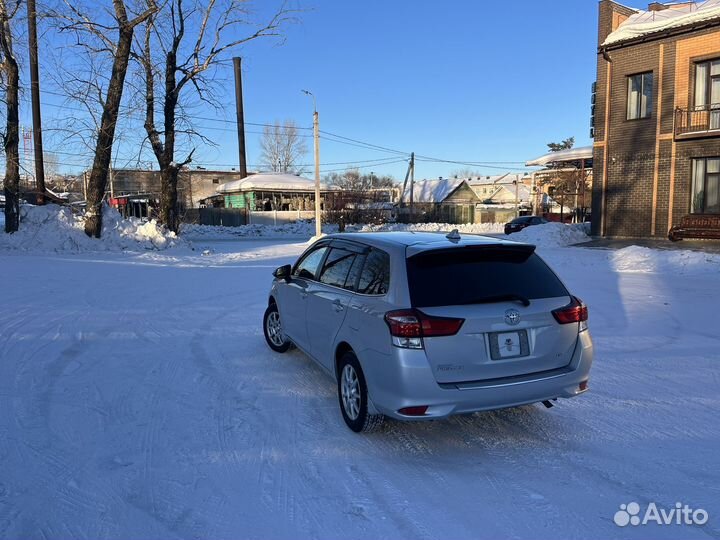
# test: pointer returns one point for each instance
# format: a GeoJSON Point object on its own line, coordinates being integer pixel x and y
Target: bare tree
{"type": "Point", "coordinates": [352, 180]}
{"type": "Point", "coordinates": [283, 148]}
{"type": "Point", "coordinates": [52, 167]}
{"type": "Point", "coordinates": [92, 32]}
{"type": "Point", "coordinates": [11, 138]}
{"type": "Point", "coordinates": [181, 43]}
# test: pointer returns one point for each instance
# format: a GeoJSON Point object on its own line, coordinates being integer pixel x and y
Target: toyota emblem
{"type": "Point", "coordinates": [512, 316]}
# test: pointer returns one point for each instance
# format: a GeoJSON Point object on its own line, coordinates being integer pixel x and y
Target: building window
{"type": "Point", "coordinates": [216, 180]}
{"type": "Point", "coordinates": [639, 99]}
{"type": "Point", "coordinates": [707, 90]}
{"type": "Point", "coordinates": [705, 186]}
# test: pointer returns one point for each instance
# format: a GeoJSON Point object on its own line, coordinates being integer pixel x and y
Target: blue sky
{"type": "Point", "coordinates": [460, 80]}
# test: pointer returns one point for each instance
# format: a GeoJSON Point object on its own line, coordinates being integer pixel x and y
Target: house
{"type": "Point", "coordinates": [564, 182]}
{"type": "Point", "coordinates": [656, 158]}
{"type": "Point", "coordinates": [447, 200]}
{"type": "Point", "coordinates": [500, 189]}
{"type": "Point", "coordinates": [134, 192]}
{"type": "Point", "coordinates": [274, 191]}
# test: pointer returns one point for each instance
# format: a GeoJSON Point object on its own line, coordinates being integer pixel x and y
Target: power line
{"type": "Point", "coordinates": [141, 117]}
{"type": "Point", "coordinates": [363, 143]}
{"type": "Point", "coordinates": [326, 135]}
{"type": "Point", "coordinates": [350, 164]}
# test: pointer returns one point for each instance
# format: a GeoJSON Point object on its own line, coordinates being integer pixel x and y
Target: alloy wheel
{"type": "Point", "coordinates": [274, 329]}
{"type": "Point", "coordinates": [350, 389]}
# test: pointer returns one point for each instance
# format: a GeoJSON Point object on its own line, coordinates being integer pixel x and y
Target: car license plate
{"type": "Point", "coordinates": [509, 345]}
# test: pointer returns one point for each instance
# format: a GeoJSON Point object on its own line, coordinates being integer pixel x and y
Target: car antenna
{"type": "Point", "coordinates": [453, 235]}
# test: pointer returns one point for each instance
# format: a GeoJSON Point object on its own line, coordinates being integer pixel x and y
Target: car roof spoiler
{"type": "Point", "coordinates": [416, 250]}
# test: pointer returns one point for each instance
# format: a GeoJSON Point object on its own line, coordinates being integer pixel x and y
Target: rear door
{"type": "Point", "coordinates": [293, 295]}
{"type": "Point", "coordinates": [329, 297]}
{"type": "Point", "coordinates": [488, 287]}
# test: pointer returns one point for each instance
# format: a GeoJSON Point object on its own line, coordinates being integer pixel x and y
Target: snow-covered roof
{"type": "Point", "coordinates": [572, 154]}
{"type": "Point", "coordinates": [272, 182]}
{"type": "Point", "coordinates": [493, 179]}
{"type": "Point", "coordinates": [523, 191]}
{"type": "Point", "coordinates": [432, 191]}
{"type": "Point", "coordinates": [675, 15]}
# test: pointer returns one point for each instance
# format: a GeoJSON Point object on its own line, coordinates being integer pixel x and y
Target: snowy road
{"type": "Point", "coordinates": [138, 400]}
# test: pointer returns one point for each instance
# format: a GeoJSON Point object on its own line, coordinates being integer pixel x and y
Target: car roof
{"type": "Point", "coordinates": [418, 241]}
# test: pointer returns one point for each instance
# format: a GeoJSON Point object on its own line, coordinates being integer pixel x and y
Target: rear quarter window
{"type": "Point", "coordinates": [375, 275]}
{"type": "Point", "coordinates": [458, 276]}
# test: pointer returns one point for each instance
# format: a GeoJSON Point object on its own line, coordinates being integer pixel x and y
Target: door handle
{"type": "Point", "coordinates": [337, 305]}
{"type": "Point", "coordinates": [303, 295]}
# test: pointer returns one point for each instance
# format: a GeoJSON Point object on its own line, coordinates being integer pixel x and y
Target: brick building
{"type": "Point", "coordinates": [656, 157]}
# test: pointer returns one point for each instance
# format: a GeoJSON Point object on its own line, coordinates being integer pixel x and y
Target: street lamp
{"type": "Point", "coordinates": [316, 137]}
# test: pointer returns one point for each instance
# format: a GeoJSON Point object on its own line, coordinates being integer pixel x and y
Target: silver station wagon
{"type": "Point", "coordinates": [420, 326]}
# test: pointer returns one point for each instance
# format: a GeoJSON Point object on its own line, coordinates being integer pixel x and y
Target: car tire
{"type": "Point", "coordinates": [353, 396]}
{"type": "Point", "coordinates": [272, 328]}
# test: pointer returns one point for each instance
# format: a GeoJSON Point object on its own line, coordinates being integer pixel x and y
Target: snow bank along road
{"type": "Point", "coordinates": [138, 400]}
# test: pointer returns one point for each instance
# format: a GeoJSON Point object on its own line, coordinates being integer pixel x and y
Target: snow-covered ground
{"type": "Point", "coordinates": [139, 400]}
{"type": "Point", "coordinates": [305, 229]}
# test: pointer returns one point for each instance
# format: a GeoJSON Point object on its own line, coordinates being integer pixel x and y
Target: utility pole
{"type": "Point", "coordinates": [412, 185]}
{"type": "Point", "coordinates": [240, 117]}
{"type": "Point", "coordinates": [533, 194]}
{"type": "Point", "coordinates": [517, 204]}
{"type": "Point", "coordinates": [35, 97]}
{"type": "Point", "coordinates": [316, 138]}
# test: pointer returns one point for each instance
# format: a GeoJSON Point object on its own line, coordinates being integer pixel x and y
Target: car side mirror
{"type": "Point", "coordinates": [283, 272]}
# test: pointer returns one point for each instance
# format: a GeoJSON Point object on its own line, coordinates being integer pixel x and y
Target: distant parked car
{"type": "Point", "coordinates": [418, 326]}
{"type": "Point", "coordinates": [518, 224]}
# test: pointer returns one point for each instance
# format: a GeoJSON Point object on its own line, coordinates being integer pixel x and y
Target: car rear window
{"type": "Point", "coordinates": [463, 275]}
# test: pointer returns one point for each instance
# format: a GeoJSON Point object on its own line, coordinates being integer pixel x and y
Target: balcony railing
{"type": "Point", "coordinates": [697, 122]}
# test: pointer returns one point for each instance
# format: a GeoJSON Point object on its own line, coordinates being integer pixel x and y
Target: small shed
{"type": "Point", "coordinates": [273, 191]}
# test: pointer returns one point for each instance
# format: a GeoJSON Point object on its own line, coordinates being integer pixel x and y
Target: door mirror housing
{"type": "Point", "coordinates": [283, 272]}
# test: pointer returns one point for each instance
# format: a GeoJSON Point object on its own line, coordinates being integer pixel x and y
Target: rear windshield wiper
{"type": "Point", "coordinates": [499, 298]}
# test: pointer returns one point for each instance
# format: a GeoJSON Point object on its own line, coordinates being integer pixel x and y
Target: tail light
{"type": "Point", "coordinates": [575, 312]}
{"type": "Point", "coordinates": [409, 326]}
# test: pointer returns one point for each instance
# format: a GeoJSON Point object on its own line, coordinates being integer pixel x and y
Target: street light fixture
{"type": "Point", "coordinates": [316, 138]}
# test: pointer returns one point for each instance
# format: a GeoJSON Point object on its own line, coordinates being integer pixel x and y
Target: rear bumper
{"type": "Point", "coordinates": [408, 381]}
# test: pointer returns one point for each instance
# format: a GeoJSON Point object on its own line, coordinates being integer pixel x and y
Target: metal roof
{"type": "Point", "coordinates": [572, 154]}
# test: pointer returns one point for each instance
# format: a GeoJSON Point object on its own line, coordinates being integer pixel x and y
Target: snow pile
{"type": "Point", "coordinates": [467, 228]}
{"type": "Point", "coordinates": [646, 260]}
{"type": "Point", "coordinates": [57, 228]}
{"type": "Point", "coordinates": [553, 234]}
